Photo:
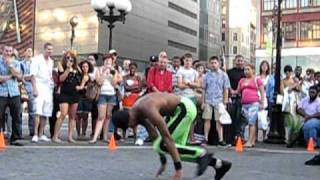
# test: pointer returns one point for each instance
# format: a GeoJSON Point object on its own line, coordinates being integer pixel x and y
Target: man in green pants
{"type": "Point", "coordinates": [180, 112]}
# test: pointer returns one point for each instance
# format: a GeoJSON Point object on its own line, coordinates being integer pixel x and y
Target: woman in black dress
{"type": "Point", "coordinates": [70, 78]}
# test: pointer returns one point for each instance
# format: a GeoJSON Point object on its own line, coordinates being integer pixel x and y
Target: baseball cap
{"type": "Point", "coordinates": [113, 51]}
{"type": "Point", "coordinates": [153, 58]}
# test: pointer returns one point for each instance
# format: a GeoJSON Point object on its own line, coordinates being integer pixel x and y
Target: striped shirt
{"type": "Point", "coordinates": [10, 87]}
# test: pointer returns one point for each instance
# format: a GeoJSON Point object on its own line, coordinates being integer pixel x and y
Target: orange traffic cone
{"type": "Point", "coordinates": [2, 142]}
{"type": "Point", "coordinates": [239, 147]}
{"type": "Point", "coordinates": [310, 147]}
{"type": "Point", "coordinates": [112, 144]}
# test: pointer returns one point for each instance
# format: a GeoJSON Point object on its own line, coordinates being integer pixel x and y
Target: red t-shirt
{"type": "Point", "coordinates": [249, 90]}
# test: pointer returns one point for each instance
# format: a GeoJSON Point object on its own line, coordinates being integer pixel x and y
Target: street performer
{"type": "Point", "coordinates": [180, 113]}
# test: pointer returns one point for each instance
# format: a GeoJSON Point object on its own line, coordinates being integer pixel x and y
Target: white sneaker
{"type": "Point", "coordinates": [35, 139]}
{"type": "Point", "coordinates": [139, 142]}
{"type": "Point", "coordinates": [44, 138]}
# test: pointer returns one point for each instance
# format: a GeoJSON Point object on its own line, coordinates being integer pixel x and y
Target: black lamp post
{"type": "Point", "coordinates": [106, 12]}
{"type": "Point", "coordinates": [277, 131]}
{"type": "Point", "coordinates": [73, 22]}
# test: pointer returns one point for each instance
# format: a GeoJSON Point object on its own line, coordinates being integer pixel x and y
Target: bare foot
{"type": "Point", "coordinates": [57, 140]}
{"type": "Point", "coordinates": [92, 141]}
{"type": "Point", "coordinates": [71, 141]}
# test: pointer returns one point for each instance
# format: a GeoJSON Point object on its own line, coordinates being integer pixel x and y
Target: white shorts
{"type": "Point", "coordinates": [43, 106]}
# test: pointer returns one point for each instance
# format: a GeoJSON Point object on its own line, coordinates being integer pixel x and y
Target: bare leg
{"type": "Point", "coordinates": [219, 131]}
{"type": "Point", "coordinates": [63, 113]}
{"type": "Point", "coordinates": [102, 111]}
{"type": "Point", "coordinates": [106, 123]}
{"type": "Point", "coordinates": [207, 126]}
{"type": "Point", "coordinates": [36, 125]}
{"type": "Point", "coordinates": [72, 121]}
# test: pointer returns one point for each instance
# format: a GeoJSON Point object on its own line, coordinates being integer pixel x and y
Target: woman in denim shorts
{"type": "Point", "coordinates": [250, 100]}
{"type": "Point", "coordinates": [106, 76]}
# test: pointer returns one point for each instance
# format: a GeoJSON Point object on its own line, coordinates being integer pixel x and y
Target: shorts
{"type": "Point", "coordinates": [70, 99]}
{"type": "Point", "coordinates": [43, 106]}
{"type": "Point", "coordinates": [84, 106]}
{"type": "Point", "coordinates": [209, 110]}
{"type": "Point", "coordinates": [107, 99]}
{"type": "Point", "coordinates": [250, 112]}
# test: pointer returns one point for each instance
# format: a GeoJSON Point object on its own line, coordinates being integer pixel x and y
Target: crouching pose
{"type": "Point", "coordinates": [174, 130]}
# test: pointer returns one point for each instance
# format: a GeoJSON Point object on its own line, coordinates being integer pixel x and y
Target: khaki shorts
{"type": "Point", "coordinates": [208, 110]}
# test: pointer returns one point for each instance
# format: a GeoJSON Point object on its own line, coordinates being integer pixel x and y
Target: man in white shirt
{"type": "Point", "coordinates": [42, 83]}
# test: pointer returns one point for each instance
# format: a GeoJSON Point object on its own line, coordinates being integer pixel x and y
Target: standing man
{"type": "Point", "coordinates": [188, 79]}
{"type": "Point", "coordinates": [215, 85]}
{"type": "Point", "coordinates": [43, 85]}
{"type": "Point", "coordinates": [235, 74]}
{"type": "Point", "coordinates": [174, 131]}
{"type": "Point", "coordinates": [159, 78]}
{"type": "Point", "coordinates": [9, 92]}
{"type": "Point", "coordinates": [176, 63]}
{"type": "Point", "coordinates": [27, 80]}
{"type": "Point", "coordinates": [153, 63]}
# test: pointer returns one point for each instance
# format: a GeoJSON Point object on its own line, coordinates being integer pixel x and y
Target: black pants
{"type": "Point", "coordinates": [14, 104]}
{"type": "Point", "coordinates": [53, 118]}
{"type": "Point", "coordinates": [238, 121]}
{"type": "Point", "coordinates": [94, 116]}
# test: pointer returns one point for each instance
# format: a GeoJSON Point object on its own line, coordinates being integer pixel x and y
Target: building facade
{"type": "Point", "coordinates": [300, 25]}
{"type": "Point", "coordinates": [238, 30]}
{"type": "Point", "coordinates": [153, 25]}
{"type": "Point", "coordinates": [25, 19]}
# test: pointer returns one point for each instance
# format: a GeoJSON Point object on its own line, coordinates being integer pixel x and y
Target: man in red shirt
{"type": "Point", "coordinates": [159, 78]}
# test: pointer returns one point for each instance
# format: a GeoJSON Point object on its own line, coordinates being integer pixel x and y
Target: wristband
{"type": "Point", "coordinates": [177, 165]}
{"type": "Point", "coordinates": [163, 159]}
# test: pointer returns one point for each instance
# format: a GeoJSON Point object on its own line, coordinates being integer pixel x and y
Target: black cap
{"type": "Point", "coordinates": [153, 58]}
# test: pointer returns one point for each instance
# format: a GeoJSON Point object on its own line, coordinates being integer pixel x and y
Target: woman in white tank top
{"type": "Point", "coordinates": [106, 76]}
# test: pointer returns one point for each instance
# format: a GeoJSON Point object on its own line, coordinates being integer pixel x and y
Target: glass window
{"type": "Point", "coordinates": [268, 5]}
{"type": "Point", "coordinates": [235, 36]}
{"type": "Point", "coordinates": [309, 3]}
{"type": "Point", "coordinates": [235, 50]}
{"type": "Point", "coordinates": [290, 31]}
{"type": "Point", "coordinates": [310, 30]}
{"type": "Point", "coordinates": [289, 4]}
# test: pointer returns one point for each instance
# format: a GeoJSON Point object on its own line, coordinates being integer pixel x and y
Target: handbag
{"type": "Point", "coordinates": [23, 92]}
{"type": "Point", "coordinates": [93, 91]}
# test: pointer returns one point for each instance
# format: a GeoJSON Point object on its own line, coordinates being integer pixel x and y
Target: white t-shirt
{"type": "Point", "coordinates": [42, 72]}
{"type": "Point", "coordinates": [188, 75]}
{"type": "Point", "coordinates": [107, 88]}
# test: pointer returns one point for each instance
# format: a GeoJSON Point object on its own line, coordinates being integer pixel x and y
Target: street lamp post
{"type": "Point", "coordinates": [276, 134]}
{"type": "Point", "coordinates": [73, 22]}
{"type": "Point", "coordinates": [106, 10]}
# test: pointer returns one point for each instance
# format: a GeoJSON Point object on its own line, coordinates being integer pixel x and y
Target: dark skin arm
{"type": "Point", "coordinates": [301, 112]}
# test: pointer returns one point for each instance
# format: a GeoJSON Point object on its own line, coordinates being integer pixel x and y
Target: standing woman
{"type": "Point", "coordinates": [251, 103]}
{"type": "Point", "coordinates": [106, 76]}
{"type": "Point", "coordinates": [70, 78]}
{"type": "Point", "coordinates": [264, 76]}
{"type": "Point", "coordinates": [85, 104]}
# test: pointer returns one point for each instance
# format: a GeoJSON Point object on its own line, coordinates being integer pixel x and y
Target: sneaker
{"type": "Point", "coordinates": [223, 144]}
{"type": "Point", "coordinates": [315, 161]}
{"type": "Point", "coordinates": [220, 172]}
{"type": "Point", "coordinates": [35, 139]}
{"type": "Point", "coordinates": [139, 142]}
{"type": "Point", "coordinates": [44, 138]}
{"type": "Point", "coordinates": [203, 163]}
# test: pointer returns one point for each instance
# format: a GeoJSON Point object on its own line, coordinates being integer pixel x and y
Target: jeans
{"type": "Point", "coordinates": [30, 103]}
{"type": "Point", "coordinates": [14, 104]}
{"type": "Point", "coordinates": [311, 128]}
{"type": "Point", "coordinates": [142, 132]}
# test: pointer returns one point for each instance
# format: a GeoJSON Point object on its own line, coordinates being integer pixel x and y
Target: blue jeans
{"type": "Point", "coordinates": [142, 132]}
{"type": "Point", "coordinates": [311, 128]}
{"type": "Point", "coordinates": [31, 113]}
{"type": "Point", "coordinates": [250, 112]}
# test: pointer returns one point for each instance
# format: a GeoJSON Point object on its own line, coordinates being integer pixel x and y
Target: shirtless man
{"type": "Point", "coordinates": [174, 130]}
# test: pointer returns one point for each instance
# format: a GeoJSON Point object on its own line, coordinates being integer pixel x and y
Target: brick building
{"type": "Point", "coordinates": [300, 24]}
